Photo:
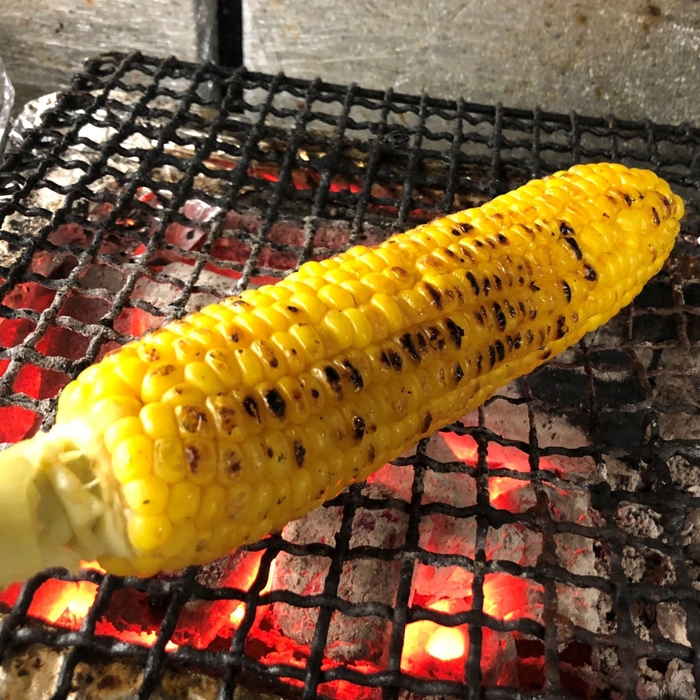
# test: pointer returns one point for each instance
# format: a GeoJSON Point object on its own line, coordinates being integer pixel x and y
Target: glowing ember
{"type": "Point", "coordinates": [447, 644]}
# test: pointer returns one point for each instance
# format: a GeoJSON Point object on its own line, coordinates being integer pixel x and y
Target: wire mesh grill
{"type": "Point", "coordinates": [162, 176]}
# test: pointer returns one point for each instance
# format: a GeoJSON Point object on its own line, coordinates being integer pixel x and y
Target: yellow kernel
{"type": "Point", "coordinates": [107, 411]}
{"type": "Point", "coordinates": [187, 350]}
{"type": "Point", "coordinates": [259, 503]}
{"type": "Point", "coordinates": [274, 318]}
{"type": "Point", "coordinates": [377, 321]}
{"type": "Point", "coordinates": [311, 269]}
{"type": "Point", "coordinates": [211, 508]}
{"type": "Point", "coordinates": [158, 420]}
{"type": "Point", "coordinates": [147, 496]}
{"type": "Point", "coordinates": [279, 292]}
{"type": "Point", "coordinates": [310, 342]}
{"type": "Point", "coordinates": [238, 497]}
{"type": "Point", "coordinates": [183, 501]}
{"type": "Point", "coordinates": [180, 547]}
{"type": "Point", "coordinates": [362, 331]}
{"type": "Point", "coordinates": [252, 326]}
{"type": "Point", "coordinates": [73, 400]}
{"type": "Point", "coordinates": [335, 297]}
{"type": "Point", "coordinates": [108, 383]}
{"type": "Point", "coordinates": [379, 283]}
{"type": "Point", "coordinates": [132, 371]}
{"type": "Point", "coordinates": [279, 454]}
{"type": "Point", "coordinates": [281, 509]}
{"type": "Point", "coordinates": [158, 380]}
{"type": "Point", "coordinates": [169, 463]}
{"type": "Point", "coordinates": [120, 430]}
{"type": "Point", "coordinates": [183, 394]}
{"type": "Point", "coordinates": [310, 304]}
{"type": "Point", "coordinates": [273, 362]}
{"type": "Point", "coordinates": [338, 275]}
{"type": "Point", "coordinates": [148, 533]}
{"type": "Point", "coordinates": [391, 311]}
{"type": "Point", "coordinates": [302, 485]}
{"type": "Point", "coordinates": [340, 327]}
{"type": "Point", "coordinates": [360, 292]}
{"type": "Point", "coordinates": [291, 349]}
{"type": "Point", "coordinates": [250, 367]}
{"type": "Point", "coordinates": [200, 455]}
{"type": "Point", "coordinates": [201, 376]}
{"type": "Point", "coordinates": [157, 347]}
{"type": "Point", "coordinates": [132, 458]}
{"type": "Point", "coordinates": [314, 392]}
{"type": "Point", "coordinates": [225, 367]}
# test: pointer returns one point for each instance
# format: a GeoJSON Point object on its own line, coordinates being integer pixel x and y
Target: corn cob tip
{"type": "Point", "coordinates": [52, 511]}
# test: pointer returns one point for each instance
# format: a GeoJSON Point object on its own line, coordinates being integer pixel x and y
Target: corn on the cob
{"type": "Point", "coordinates": [222, 427]}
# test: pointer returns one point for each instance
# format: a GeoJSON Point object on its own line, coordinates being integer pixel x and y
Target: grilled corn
{"type": "Point", "coordinates": [221, 427]}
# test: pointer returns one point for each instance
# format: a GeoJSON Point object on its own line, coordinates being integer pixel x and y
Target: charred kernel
{"type": "Point", "coordinates": [589, 273]}
{"type": "Point", "coordinates": [456, 232]}
{"type": "Point", "coordinates": [275, 403]}
{"type": "Point", "coordinates": [502, 239]}
{"type": "Point", "coordinates": [628, 199]}
{"type": "Point", "coordinates": [546, 353]}
{"type": "Point", "coordinates": [395, 359]}
{"type": "Point", "coordinates": [409, 346]}
{"type": "Point", "coordinates": [575, 247]}
{"type": "Point", "coordinates": [191, 419]}
{"type": "Point", "coordinates": [465, 227]}
{"type": "Point", "coordinates": [299, 453]}
{"type": "Point", "coordinates": [474, 283]}
{"type": "Point", "coordinates": [500, 349]}
{"type": "Point", "coordinates": [422, 343]}
{"type": "Point", "coordinates": [427, 422]}
{"type": "Point", "coordinates": [534, 287]}
{"type": "Point", "coordinates": [459, 373]}
{"type": "Point", "coordinates": [511, 309]}
{"type": "Point", "coordinates": [480, 364]}
{"type": "Point", "coordinates": [479, 320]}
{"type": "Point", "coordinates": [486, 286]}
{"type": "Point", "coordinates": [358, 427]}
{"type": "Point", "coordinates": [333, 379]}
{"type": "Point", "coordinates": [533, 314]}
{"type": "Point", "coordinates": [499, 316]}
{"type": "Point", "coordinates": [565, 229]}
{"type": "Point", "coordinates": [562, 328]}
{"type": "Point", "coordinates": [251, 407]}
{"type": "Point", "coordinates": [655, 215]}
{"type": "Point", "coordinates": [567, 290]}
{"type": "Point", "coordinates": [435, 338]}
{"type": "Point", "coordinates": [384, 359]}
{"type": "Point", "coordinates": [492, 355]}
{"type": "Point", "coordinates": [497, 282]}
{"type": "Point", "coordinates": [456, 332]}
{"type": "Point", "coordinates": [509, 340]}
{"type": "Point", "coordinates": [521, 306]}
{"type": "Point", "coordinates": [434, 293]}
{"type": "Point", "coordinates": [354, 375]}
{"type": "Point", "coordinates": [517, 341]}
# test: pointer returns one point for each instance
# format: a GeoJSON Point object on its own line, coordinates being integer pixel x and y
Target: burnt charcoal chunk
{"type": "Point", "coordinates": [657, 294]}
{"type": "Point", "coordinates": [654, 328]}
{"type": "Point", "coordinates": [560, 387]}
{"type": "Point", "coordinates": [618, 392]}
{"type": "Point", "coordinates": [620, 429]}
{"type": "Point", "coordinates": [610, 359]}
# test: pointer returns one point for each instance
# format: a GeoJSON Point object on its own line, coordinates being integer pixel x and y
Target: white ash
{"type": "Point", "coordinates": [638, 520]}
{"type": "Point", "coordinates": [363, 638]}
{"type": "Point", "coordinates": [671, 620]}
{"type": "Point", "coordinates": [675, 683]}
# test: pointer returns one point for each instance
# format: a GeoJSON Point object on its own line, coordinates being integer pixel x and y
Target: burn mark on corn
{"type": "Point", "coordinates": [567, 290]}
{"type": "Point", "coordinates": [628, 199]}
{"type": "Point", "coordinates": [192, 456]}
{"type": "Point", "coordinates": [251, 407]}
{"type": "Point", "coordinates": [589, 273]}
{"type": "Point", "coordinates": [192, 419]}
{"type": "Point", "coordinates": [480, 364]}
{"type": "Point", "coordinates": [232, 465]}
{"type": "Point", "coordinates": [486, 286]}
{"type": "Point", "coordinates": [333, 379]}
{"type": "Point", "coordinates": [358, 428]}
{"type": "Point", "coordinates": [409, 346]}
{"type": "Point", "coordinates": [435, 295]}
{"type": "Point", "coordinates": [465, 228]}
{"type": "Point", "coordinates": [517, 341]}
{"type": "Point", "coordinates": [565, 229]}
{"type": "Point", "coordinates": [384, 359]}
{"type": "Point", "coordinates": [456, 332]}
{"type": "Point", "coordinates": [500, 349]}
{"type": "Point", "coordinates": [299, 453]}
{"type": "Point", "coordinates": [422, 343]}
{"type": "Point", "coordinates": [521, 306]}
{"type": "Point", "coordinates": [314, 393]}
{"type": "Point", "coordinates": [371, 454]}
{"type": "Point", "coordinates": [474, 283]}
{"type": "Point", "coordinates": [575, 247]}
{"type": "Point", "coordinates": [427, 422]}
{"type": "Point", "coordinates": [150, 354]}
{"type": "Point", "coordinates": [655, 216]}
{"type": "Point", "coordinates": [163, 370]}
{"type": "Point", "coordinates": [227, 416]}
{"type": "Point", "coordinates": [275, 403]}
{"type": "Point", "coordinates": [492, 355]}
{"type": "Point", "coordinates": [292, 309]}
{"type": "Point", "coordinates": [545, 354]}
{"type": "Point", "coordinates": [499, 316]}
{"type": "Point", "coordinates": [274, 363]}
{"type": "Point", "coordinates": [511, 309]}
{"type": "Point", "coordinates": [395, 360]}
{"type": "Point", "coordinates": [354, 375]}
{"type": "Point", "coordinates": [479, 320]}
{"type": "Point", "coordinates": [458, 373]}
{"type": "Point", "coordinates": [435, 338]}
{"type": "Point", "coordinates": [497, 282]}
{"type": "Point", "coordinates": [503, 240]}
{"type": "Point", "coordinates": [530, 337]}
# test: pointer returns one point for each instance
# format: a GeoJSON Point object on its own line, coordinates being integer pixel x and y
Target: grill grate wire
{"type": "Point", "coordinates": [399, 160]}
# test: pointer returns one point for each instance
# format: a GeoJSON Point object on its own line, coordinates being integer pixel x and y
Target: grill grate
{"type": "Point", "coordinates": [97, 205]}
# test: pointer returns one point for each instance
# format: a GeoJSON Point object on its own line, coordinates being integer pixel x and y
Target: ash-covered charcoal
{"type": "Point", "coordinates": [362, 580]}
{"type": "Point", "coordinates": [658, 679]}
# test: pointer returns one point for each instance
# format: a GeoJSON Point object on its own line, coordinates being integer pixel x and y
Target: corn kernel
{"type": "Point", "coordinates": [225, 367]}
{"type": "Point", "coordinates": [132, 458]}
{"type": "Point", "coordinates": [310, 342]}
{"type": "Point", "coordinates": [313, 308]}
{"type": "Point", "coordinates": [120, 430]}
{"type": "Point", "coordinates": [183, 501]}
{"type": "Point", "coordinates": [169, 463]}
{"type": "Point", "coordinates": [290, 348]}
{"type": "Point", "coordinates": [147, 496]}
{"type": "Point", "coordinates": [148, 533]}
{"type": "Point", "coordinates": [211, 508]}
{"type": "Point", "coordinates": [107, 411]}
{"type": "Point", "coordinates": [200, 456]}
{"type": "Point", "coordinates": [183, 394]}
{"type": "Point", "coordinates": [158, 380]}
{"type": "Point", "coordinates": [201, 376]}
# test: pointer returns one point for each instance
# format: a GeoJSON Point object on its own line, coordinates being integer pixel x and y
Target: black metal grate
{"type": "Point", "coordinates": [105, 199]}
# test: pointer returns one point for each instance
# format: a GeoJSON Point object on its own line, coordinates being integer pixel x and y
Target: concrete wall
{"type": "Point", "coordinates": [637, 58]}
